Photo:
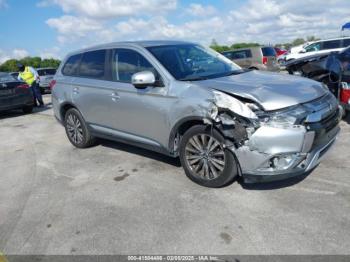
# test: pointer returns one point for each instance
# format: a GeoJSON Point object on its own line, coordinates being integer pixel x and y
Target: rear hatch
{"type": "Point", "coordinates": [46, 75]}
{"type": "Point", "coordinates": [269, 56]}
{"type": "Point", "coordinates": [13, 93]}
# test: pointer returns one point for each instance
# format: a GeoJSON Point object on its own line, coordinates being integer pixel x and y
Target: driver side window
{"type": "Point", "coordinates": [127, 62]}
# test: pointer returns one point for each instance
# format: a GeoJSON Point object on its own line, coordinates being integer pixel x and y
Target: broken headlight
{"type": "Point", "coordinates": [285, 118]}
{"type": "Point", "coordinates": [224, 101]}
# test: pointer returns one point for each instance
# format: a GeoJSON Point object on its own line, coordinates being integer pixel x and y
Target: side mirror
{"type": "Point", "coordinates": [143, 79]}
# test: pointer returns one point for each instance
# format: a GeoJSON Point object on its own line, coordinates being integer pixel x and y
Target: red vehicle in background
{"type": "Point", "coordinates": [280, 51]}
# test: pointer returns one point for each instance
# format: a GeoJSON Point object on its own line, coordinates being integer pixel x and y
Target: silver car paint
{"type": "Point", "coordinates": [272, 90]}
{"type": "Point", "coordinates": [149, 116]}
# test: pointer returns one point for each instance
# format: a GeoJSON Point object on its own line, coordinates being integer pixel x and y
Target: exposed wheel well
{"type": "Point", "coordinates": [64, 110]}
{"type": "Point", "coordinates": [253, 68]}
{"type": "Point", "coordinates": [179, 130]}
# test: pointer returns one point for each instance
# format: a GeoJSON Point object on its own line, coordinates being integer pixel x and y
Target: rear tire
{"type": "Point", "coordinates": [27, 109]}
{"type": "Point", "coordinates": [77, 130]}
{"type": "Point", "coordinates": [205, 159]}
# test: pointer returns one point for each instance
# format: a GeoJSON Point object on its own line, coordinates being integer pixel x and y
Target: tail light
{"type": "Point", "coordinates": [264, 60]}
{"type": "Point", "coordinates": [52, 84]}
{"type": "Point", "coordinates": [345, 93]}
{"type": "Point", "coordinates": [23, 86]}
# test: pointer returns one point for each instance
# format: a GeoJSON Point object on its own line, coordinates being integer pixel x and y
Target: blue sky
{"type": "Point", "coordinates": [55, 27]}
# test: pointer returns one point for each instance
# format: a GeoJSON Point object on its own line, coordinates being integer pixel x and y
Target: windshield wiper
{"type": "Point", "coordinates": [235, 72]}
{"type": "Point", "coordinates": [194, 78]}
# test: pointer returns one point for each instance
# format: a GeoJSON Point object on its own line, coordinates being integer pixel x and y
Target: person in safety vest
{"type": "Point", "coordinates": [29, 75]}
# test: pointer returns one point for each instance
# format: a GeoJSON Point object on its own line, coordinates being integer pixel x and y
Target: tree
{"type": "Point", "coordinates": [218, 48]}
{"type": "Point", "coordinates": [312, 38]}
{"type": "Point", "coordinates": [36, 62]}
{"type": "Point", "coordinates": [243, 45]}
{"type": "Point", "coordinates": [298, 41]}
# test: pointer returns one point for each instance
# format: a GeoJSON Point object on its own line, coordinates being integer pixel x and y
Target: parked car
{"type": "Point", "coordinates": [14, 74]}
{"type": "Point", "coordinates": [181, 99]}
{"type": "Point", "coordinates": [45, 75]}
{"type": "Point", "coordinates": [320, 47]}
{"type": "Point", "coordinates": [280, 51]}
{"type": "Point", "coordinates": [332, 69]}
{"type": "Point", "coordinates": [15, 94]}
{"type": "Point", "coordinates": [258, 58]}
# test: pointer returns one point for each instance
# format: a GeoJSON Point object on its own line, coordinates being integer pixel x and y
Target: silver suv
{"type": "Point", "coordinates": [182, 99]}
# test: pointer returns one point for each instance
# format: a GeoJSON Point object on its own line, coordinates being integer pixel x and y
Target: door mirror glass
{"type": "Point", "coordinates": [143, 79]}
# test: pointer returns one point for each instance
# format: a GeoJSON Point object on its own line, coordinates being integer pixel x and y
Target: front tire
{"type": "Point", "coordinates": [76, 129]}
{"type": "Point", "coordinates": [205, 159]}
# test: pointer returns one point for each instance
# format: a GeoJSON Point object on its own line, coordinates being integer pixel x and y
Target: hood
{"type": "Point", "coordinates": [271, 90]}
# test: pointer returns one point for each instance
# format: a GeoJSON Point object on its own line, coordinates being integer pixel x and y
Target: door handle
{"type": "Point", "coordinates": [76, 90]}
{"type": "Point", "coordinates": [114, 96]}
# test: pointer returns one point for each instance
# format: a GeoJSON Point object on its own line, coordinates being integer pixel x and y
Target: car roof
{"type": "Point", "coordinates": [246, 48]}
{"type": "Point", "coordinates": [147, 43]}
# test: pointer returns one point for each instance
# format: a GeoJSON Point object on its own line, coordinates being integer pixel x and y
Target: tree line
{"type": "Point", "coordinates": [36, 62]}
{"type": "Point", "coordinates": [298, 41]}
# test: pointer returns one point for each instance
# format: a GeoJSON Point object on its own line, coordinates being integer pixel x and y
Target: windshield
{"type": "Point", "coordinates": [190, 62]}
{"type": "Point", "coordinates": [4, 77]}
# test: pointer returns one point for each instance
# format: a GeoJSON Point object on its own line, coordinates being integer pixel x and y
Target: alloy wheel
{"type": "Point", "coordinates": [74, 128]}
{"type": "Point", "coordinates": [205, 156]}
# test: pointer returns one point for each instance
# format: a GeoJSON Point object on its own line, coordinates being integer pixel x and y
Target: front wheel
{"type": "Point", "coordinates": [205, 159]}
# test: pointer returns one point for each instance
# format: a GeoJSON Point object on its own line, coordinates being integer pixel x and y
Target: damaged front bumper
{"type": "Point", "coordinates": [273, 153]}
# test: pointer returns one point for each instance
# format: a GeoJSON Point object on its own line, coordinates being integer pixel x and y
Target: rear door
{"type": "Point", "coordinates": [91, 91]}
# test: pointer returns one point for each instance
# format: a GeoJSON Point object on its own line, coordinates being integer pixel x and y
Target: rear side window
{"type": "Point", "coordinates": [227, 54]}
{"type": "Point", "coordinates": [92, 64]}
{"type": "Point", "coordinates": [331, 44]}
{"type": "Point", "coordinates": [268, 51]}
{"type": "Point", "coordinates": [346, 42]}
{"type": "Point", "coordinates": [71, 66]}
{"type": "Point", "coordinates": [241, 54]}
{"type": "Point", "coordinates": [127, 62]}
{"type": "Point", "coordinates": [44, 72]}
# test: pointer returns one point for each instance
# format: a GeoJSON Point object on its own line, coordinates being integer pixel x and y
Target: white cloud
{"type": "Point", "coordinates": [71, 27]}
{"type": "Point", "coordinates": [53, 52]}
{"type": "Point", "coordinates": [263, 21]}
{"type": "Point", "coordinates": [200, 10]}
{"type": "Point", "coordinates": [16, 53]}
{"type": "Point", "coordinates": [112, 8]}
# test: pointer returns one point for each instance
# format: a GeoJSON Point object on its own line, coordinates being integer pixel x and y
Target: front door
{"type": "Point", "coordinates": [139, 113]}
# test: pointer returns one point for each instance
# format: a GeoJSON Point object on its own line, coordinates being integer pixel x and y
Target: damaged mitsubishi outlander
{"type": "Point", "coordinates": [184, 100]}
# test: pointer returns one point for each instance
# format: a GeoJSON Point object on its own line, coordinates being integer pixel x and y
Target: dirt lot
{"type": "Point", "coordinates": [117, 199]}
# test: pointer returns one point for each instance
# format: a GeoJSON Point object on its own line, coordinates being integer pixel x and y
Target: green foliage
{"type": "Point", "coordinates": [218, 48]}
{"type": "Point", "coordinates": [36, 62]}
{"type": "Point", "coordinates": [244, 45]}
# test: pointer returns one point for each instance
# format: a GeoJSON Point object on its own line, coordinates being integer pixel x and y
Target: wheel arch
{"type": "Point", "coordinates": [64, 108]}
{"type": "Point", "coordinates": [180, 128]}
